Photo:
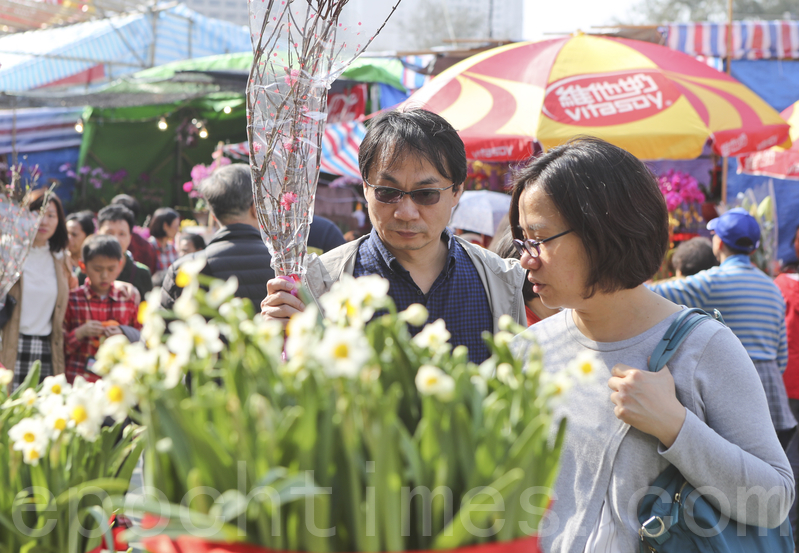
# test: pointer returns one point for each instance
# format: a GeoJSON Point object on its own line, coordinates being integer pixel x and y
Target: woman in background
{"type": "Point", "coordinates": [80, 226]}
{"type": "Point", "coordinates": [35, 329]}
{"type": "Point", "coordinates": [164, 226]}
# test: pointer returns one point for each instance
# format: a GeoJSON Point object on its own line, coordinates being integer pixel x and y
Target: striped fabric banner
{"type": "Point", "coordinates": [752, 40]}
{"type": "Point", "coordinates": [39, 129]}
{"type": "Point", "coordinates": [122, 44]}
{"type": "Point", "coordinates": [339, 149]}
{"type": "Point", "coordinates": [414, 71]}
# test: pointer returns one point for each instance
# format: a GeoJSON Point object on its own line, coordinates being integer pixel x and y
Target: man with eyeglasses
{"type": "Point", "coordinates": [413, 164]}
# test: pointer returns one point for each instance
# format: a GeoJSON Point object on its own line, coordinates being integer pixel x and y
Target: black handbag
{"type": "Point", "coordinates": [674, 517]}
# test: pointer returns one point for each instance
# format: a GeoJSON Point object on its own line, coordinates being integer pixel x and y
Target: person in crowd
{"type": "Point", "coordinates": [139, 247]}
{"type": "Point", "coordinates": [692, 256]}
{"type": "Point", "coordinates": [116, 220]}
{"type": "Point", "coordinates": [190, 243]}
{"type": "Point", "coordinates": [236, 249]}
{"type": "Point", "coordinates": [324, 235]}
{"type": "Point", "coordinates": [98, 308]}
{"type": "Point", "coordinates": [738, 289]}
{"type": "Point", "coordinates": [788, 283]}
{"type": "Point", "coordinates": [413, 164]}
{"type": "Point", "coordinates": [164, 226]}
{"type": "Point", "coordinates": [80, 226]}
{"type": "Point", "coordinates": [594, 228]}
{"type": "Point", "coordinates": [504, 246]}
{"type": "Point", "coordinates": [34, 330]}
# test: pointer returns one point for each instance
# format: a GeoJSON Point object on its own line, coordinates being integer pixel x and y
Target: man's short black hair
{"type": "Point", "coordinates": [85, 219]}
{"type": "Point", "coordinates": [228, 192]}
{"type": "Point", "coordinates": [101, 245]}
{"type": "Point", "coordinates": [116, 212]}
{"type": "Point", "coordinates": [608, 198]}
{"type": "Point", "coordinates": [128, 201]}
{"type": "Point", "coordinates": [694, 255]}
{"type": "Point", "coordinates": [197, 241]}
{"type": "Point", "coordinates": [417, 132]}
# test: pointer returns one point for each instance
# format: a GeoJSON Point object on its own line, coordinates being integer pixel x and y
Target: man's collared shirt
{"type": "Point", "coordinates": [457, 295]}
{"type": "Point", "coordinates": [751, 304]}
{"type": "Point", "coordinates": [83, 306]}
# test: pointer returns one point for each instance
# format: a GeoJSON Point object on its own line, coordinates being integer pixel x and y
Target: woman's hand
{"type": "Point", "coordinates": [647, 401]}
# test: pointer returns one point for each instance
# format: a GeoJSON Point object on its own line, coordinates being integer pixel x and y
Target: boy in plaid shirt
{"type": "Point", "coordinates": [97, 308]}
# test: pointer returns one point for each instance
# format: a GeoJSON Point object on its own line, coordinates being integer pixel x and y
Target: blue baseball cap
{"type": "Point", "coordinates": [737, 229]}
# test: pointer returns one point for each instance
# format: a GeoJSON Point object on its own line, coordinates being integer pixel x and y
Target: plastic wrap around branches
{"type": "Point", "coordinates": [299, 49]}
{"type": "Point", "coordinates": [18, 227]}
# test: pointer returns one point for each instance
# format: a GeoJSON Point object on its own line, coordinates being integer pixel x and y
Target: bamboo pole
{"type": "Point", "coordinates": [724, 169]}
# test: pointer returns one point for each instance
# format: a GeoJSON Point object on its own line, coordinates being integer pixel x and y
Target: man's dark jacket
{"type": "Point", "coordinates": [236, 249]}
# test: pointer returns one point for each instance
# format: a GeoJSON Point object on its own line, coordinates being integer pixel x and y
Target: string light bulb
{"type": "Point", "coordinates": [203, 132]}
{"type": "Point", "coordinates": [227, 109]}
{"type": "Point", "coordinates": [79, 126]}
{"type": "Point", "coordinates": [162, 125]}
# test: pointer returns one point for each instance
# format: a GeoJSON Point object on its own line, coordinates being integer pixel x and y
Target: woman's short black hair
{"type": "Point", "coordinates": [418, 132]}
{"type": "Point", "coordinates": [611, 200]}
{"type": "Point", "coordinates": [196, 240]}
{"type": "Point", "coordinates": [162, 216]}
{"type": "Point", "coordinates": [101, 245]}
{"type": "Point", "coordinates": [85, 219]}
{"type": "Point", "coordinates": [60, 238]}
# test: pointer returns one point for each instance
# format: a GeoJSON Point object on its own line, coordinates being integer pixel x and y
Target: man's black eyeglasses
{"type": "Point", "coordinates": [422, 196]}
{"type": "Point", "coordinates": [533, 247]}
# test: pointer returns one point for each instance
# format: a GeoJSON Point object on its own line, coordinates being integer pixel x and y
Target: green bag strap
{"type": "Point", "coordinates": [677, 332]}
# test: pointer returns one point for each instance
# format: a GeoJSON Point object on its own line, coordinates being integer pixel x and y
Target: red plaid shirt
{"type": "Point", "coordinates": [84, 305]}
{"type": "Point", "coordinates": [167, 254]}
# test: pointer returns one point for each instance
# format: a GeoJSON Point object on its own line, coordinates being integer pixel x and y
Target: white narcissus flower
{"type": "Point", "coordinates": [343, 352]}
{"type": "Point", "coordinates": [194, 335]}
{"type": "Point", "coordinates": [6, 377]}
{"type": "Point", "coordinates": [188, 271]}
{"type": "Point", "coordinates": [221, 291]}
{"type": "Point", "coordinates": [584, 367]}
{"type": "Point", "coordinates": [506, 322]}
{"type": "Point", "coordinates": [31, 438]}
{"type": "Point", "coordinates": [555, 386]}
{"type": "Point", "coordinates": [268, 335]}
{"type": "Point", "coordinates": [56, 415]}
{"type": "Point", "coordinates": [55, 385]}
{"type": "Point", "coordinates": [29, 397]}
{"type": "Point", "coordinates": [234, 309]}
{"type": "Point", "coordinates": [505, 373]}
{"type": "Point", "coordinates": [415, 315]}
{"type": "Point", "coordinates": [301, 333]}
{"type": "Point", "coordinates": [433, 336]}
{"type": "Point", "coordinates": [117, 390]}
{"type": "Point", "coordinates": [172, 366]}
{"type": "Point", "coordinates": [503, 338]}
{"type": "Point", "coordinates": [85, 407]}
{"type": "Point", "coordinates": [354, 301]}
{"type": "Point", "coordinates": [186, 305]}
{"type": "Point", "coordinates": [153, 330]}
{"type": "Point", "coordinates": [432, 381]}
{"type": "Point", "coordinates": [111, 352]}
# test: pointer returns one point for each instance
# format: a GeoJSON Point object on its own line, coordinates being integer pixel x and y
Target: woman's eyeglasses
{"type": "Point", "coordinates": [422, 196]}
{"type": "Point", "coordinates": [533, 247]}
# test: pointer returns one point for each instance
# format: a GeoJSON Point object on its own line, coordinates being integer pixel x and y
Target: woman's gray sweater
{"type": "Point", "coordinates": [727, 441]}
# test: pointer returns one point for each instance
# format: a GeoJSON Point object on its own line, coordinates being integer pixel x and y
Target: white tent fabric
{"type": "Point", "coordinates": [38, 129]}
{"type": "Point", "coordinates": [120, 45]}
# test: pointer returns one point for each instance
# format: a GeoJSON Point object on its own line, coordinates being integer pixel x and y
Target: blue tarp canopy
{"type": "Point", "coordinates": [102, 50]}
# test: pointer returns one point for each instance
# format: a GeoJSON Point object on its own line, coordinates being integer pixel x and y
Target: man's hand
{"type": "Point", "coordinates": [279, 304]}
{"type": "Point", "coordinates": [647, 401]}
{"type": "Point", "coordinates": [89, 329]}
{"type": "Point", "coordinates": [128, 291]}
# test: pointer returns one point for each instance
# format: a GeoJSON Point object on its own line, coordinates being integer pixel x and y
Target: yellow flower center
{"type": "Point", "coordinates": [341, 351]}
{"type": "Point", "coordinates": [56, 389]}
{"type": "Point", "coordinates": [351, 311]}
{"type": "Point", "coordinates": [431, 381]}
{"type": "Point", "coordinates": [115, 394]}
{"type": "Point", "coordinates": [182, 279]}
{"type": "Point", "coordinates": [29, 437]}
{"type": "Point", "coordinates": [60, 424]}
{"type": "Point", "coordinates": [79, 414]}
{"type": "Point", "coordinates": [586, 367]}
{"type": "Point", "coordinates": [33, 454]}
{"type": "Point", "coordinates": [142, 311]}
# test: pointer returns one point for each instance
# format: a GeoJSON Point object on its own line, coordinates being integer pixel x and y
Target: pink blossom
{"type": "Point", "coordinates": [188, 186]}
{"type": "Point", "coordinates": [257, 147]}
{"type": "Point", "coordinates": [199, 172]}
{"type": "Point", "coordinates": [291, 78]}
{"type": "Point", "coordinates": [288, 199]}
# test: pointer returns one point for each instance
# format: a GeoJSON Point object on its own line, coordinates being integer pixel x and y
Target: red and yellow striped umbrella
{"type": "Point", "coordinates": [652, 101]}
{"type": "Point", "coordinates": [776, 162]}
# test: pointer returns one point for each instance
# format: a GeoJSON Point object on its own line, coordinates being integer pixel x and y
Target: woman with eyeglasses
{"type": "Point", "coordinates": [591, 226]}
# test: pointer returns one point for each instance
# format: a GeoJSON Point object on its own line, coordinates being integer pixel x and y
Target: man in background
{"type": "Point", "coordinates": [141, 249]}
